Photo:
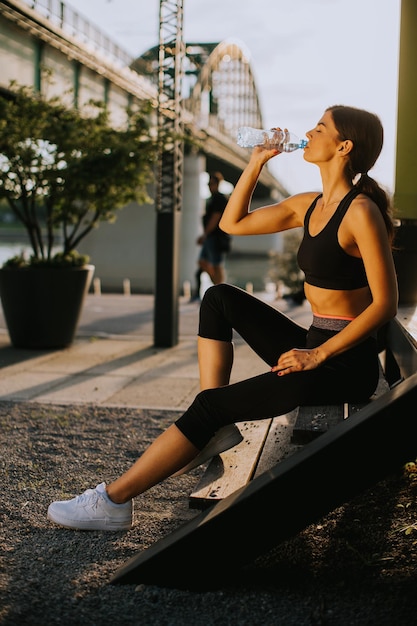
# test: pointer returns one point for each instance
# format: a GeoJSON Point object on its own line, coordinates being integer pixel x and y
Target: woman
{"type": "Point", "coordinates": [350, 284]}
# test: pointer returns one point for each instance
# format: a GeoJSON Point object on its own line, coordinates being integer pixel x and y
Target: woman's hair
{"type": "Point", "coordinates": [366, 133]}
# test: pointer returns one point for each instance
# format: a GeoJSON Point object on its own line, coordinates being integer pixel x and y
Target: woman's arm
{"type": "Point", "coordinates": [238, 220]}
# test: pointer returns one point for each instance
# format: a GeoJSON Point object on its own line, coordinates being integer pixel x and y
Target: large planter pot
{"type": "Point", "coordinates": [42, 305]}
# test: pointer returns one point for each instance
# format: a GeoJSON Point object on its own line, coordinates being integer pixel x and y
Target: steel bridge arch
{"type": "Point", "coordinates": [218, 86]}
{"type": "Point", "coordinates": [224, 95]}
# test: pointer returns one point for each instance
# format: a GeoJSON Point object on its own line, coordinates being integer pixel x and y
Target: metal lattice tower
{"type": "Point", "coordinates": [170, 117]}
{"type": "Point", "coordinates": [170, 171]}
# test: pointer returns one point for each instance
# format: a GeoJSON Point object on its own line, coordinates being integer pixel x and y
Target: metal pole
{"type": "Point", "coordinates": [170, 174]}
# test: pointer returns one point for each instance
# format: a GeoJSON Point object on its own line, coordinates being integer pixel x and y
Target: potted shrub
{"type": "Point", "coordinates": [285, 270]}
{"type": "Point", "coordinates": [62, 172]}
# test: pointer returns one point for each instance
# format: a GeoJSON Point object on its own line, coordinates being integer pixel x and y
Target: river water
{"type": "Point", "coordinates": [9, 250]}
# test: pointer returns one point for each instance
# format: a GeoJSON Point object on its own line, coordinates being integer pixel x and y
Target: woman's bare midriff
{"type": "Point", "coordinates": [338, 303]}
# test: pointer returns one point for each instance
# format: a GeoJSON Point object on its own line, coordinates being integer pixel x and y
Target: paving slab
{"type": "Point", "coordinates": [113, 360]}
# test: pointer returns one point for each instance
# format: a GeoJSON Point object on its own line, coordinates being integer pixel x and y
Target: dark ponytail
{"type": "Point", "coordinates": [370, 187]}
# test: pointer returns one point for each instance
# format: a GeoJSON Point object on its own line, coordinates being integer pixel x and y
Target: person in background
{"type": "Point", "coordinates": [350, 284]}
{"type": "Point", "coordinates": [213, 240]}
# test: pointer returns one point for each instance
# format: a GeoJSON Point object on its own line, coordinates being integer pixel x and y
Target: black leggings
{"type": "Point", "coordinates": [350, 376]}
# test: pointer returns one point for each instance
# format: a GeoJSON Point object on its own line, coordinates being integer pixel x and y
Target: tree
{"type": "Point", "coordinates": [63, 171]}
{"type": "Point", "coordinates": [285, 268]}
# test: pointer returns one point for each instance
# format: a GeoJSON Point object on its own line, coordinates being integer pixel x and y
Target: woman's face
{"type": "Point", "coordinates": [323, 140]}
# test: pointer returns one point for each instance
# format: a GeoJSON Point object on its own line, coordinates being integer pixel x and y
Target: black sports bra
{"type": "Point", "coordinates": [322, 259]}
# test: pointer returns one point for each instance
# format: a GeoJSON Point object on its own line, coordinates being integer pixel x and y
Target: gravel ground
{"type": "Point", "coordinates": [356, 566]}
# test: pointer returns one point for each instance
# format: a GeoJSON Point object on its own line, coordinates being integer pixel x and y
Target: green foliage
{"type": "Point", "coordinates": [284, 264]}
{"type": "Point", "coordinates": [62, 171]}
{"type": "Point", "coordinates": [60, 259]}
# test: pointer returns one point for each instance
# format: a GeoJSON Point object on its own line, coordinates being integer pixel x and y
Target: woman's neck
{"type": "Point", "coordinates": [334, 188]}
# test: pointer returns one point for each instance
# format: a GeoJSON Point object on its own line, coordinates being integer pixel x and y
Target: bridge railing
{"type": "Point", "coordinates": [75, 25]}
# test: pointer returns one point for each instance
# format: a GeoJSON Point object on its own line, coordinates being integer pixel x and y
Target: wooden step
{"type": "Point", "coordinates": [231, 469]}
{"type": "Point", "coordinates": [265, 443]}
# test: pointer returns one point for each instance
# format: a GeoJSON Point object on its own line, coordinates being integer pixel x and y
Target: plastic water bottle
{"type": "Point", "coordinates": [284, 141]}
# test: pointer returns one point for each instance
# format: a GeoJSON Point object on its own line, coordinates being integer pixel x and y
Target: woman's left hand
{"type": "Point", "coordinates": [296, 360]}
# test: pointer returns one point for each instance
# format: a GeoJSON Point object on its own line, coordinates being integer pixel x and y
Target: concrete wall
{"type": "Point", "coordinates": [17, 55]}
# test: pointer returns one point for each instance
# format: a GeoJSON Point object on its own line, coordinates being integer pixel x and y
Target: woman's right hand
{"type": "Point", "coordinates": [262, 154]}
{"type": "Point", "coordinates": [298, 360]}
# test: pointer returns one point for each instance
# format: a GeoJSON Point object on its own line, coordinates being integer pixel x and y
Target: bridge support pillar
{"type": "Point", "coordinates": [192, 211]}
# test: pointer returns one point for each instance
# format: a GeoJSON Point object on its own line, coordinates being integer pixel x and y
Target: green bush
{"type": "Point", "coordinates": [63, 171]}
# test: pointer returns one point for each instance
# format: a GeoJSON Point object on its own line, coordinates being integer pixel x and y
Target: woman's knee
{"type": "Point", "coordinates": [214, 322]}
{"type": "Point", "coordinates": [217, 293]}
{"type": "Point", "coordinates": [222, 298]}
{"type": "Point", "coordinates": [202, 419]}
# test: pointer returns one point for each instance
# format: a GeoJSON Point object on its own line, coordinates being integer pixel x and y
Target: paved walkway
{"type": "Point", "coordinates": [113, 362]}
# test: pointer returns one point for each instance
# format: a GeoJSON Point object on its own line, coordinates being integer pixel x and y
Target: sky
{"type": "Point", "coordinates": [305, 55]}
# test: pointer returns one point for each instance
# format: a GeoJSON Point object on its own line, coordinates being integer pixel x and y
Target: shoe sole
{"type": "Point", "coordinates": [230, 440]}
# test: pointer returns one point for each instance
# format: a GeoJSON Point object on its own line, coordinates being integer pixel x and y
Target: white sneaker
{"type": "Point", "coordinates": [92, 510]}
{"type": "Point", "coordinates": [225, 438]}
